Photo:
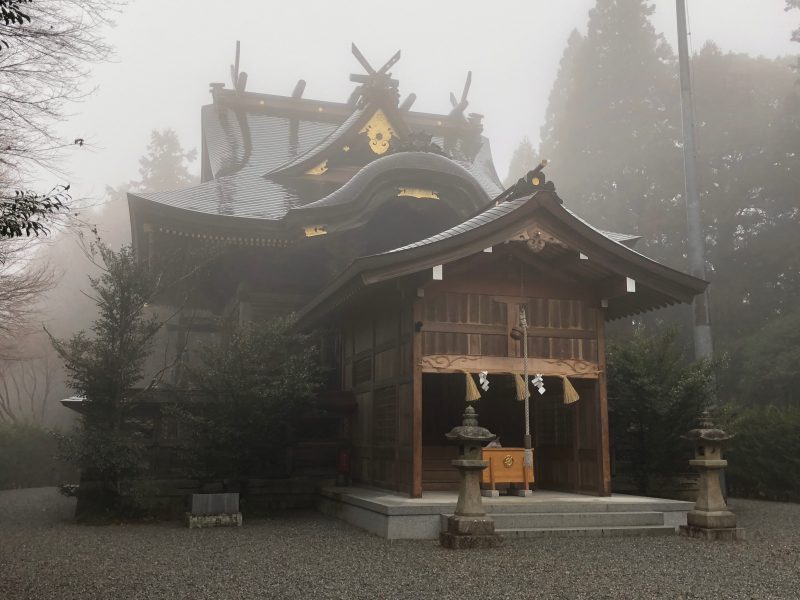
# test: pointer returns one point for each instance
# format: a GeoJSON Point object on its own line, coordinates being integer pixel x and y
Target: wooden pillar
{"type": "Point", "coordinates": [604, 458]}
{"type": "Point", "coordinates": [416, 401]}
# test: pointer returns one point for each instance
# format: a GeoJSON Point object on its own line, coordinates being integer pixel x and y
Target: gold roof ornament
{"type": "Point", "coordinates": [315, 230]}
{"type": "Point", "coordinates": [379, 131]}
{"type": "Point", "coordinates": [417, 193]}
{"type": "Point", "coordinates": [319, 169]}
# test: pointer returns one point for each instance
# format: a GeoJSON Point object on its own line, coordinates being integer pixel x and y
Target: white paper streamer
{"type": "Point", "coordinates": [538, 383]}
{"type": "Point", "coordinates": [484, 380]}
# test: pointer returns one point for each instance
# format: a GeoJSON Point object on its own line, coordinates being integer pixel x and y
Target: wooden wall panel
{"type": "Point", "coordinates": [470, 324]}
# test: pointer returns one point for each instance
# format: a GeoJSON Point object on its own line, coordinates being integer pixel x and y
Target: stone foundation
{"type": "Point", "coordinates": [469, 532]}
{"type": "Point", "coordinates": [705, 533]}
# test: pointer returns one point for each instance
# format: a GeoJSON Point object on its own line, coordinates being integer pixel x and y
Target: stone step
{"type": "Point", "coordinates": [588, 504]}
{"type": "Point", "coordinates": [561, 520]}
{"type": "Point", "coordinates": [641, 530]}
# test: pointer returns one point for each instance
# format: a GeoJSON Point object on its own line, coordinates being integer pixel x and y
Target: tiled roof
{"type": "Point", "coordinates": [328, 141]}
{"type": "Point", "coordinates": [240, 188]}
{"type": "Point", "coordinates": [479, 220]}
{"type": "Point", "coordinates": [243, 147]}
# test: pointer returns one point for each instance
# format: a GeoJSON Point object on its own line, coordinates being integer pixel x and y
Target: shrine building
{"type": "Point", "coordinates": [388, 231]}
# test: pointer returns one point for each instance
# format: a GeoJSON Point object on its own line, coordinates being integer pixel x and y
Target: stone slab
{"type": "Point", "coordinates": [636, 531]}
{"type": "Point", "coordinates": [220, 520]}
{"type": "Point", "coordinates": [215, 504]}
{"type": "Point", "coordinates": [394, 516]}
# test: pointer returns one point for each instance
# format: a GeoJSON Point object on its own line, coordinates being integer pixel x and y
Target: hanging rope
{"type": "Point", "coordinates": [528, 455]}
{"type": "Point", "coordinates": [473, 394]}
{"type": "Point", "coordinates": [570, 394]}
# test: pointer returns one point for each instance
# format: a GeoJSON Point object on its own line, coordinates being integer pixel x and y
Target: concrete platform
{"type": "Point", "coordinates": [545, 513]}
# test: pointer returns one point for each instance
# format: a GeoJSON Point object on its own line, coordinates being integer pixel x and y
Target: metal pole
{"type": "Point", "coordinates": [528, 452]}
{"type": "Point", "coordinates": [703, 346]}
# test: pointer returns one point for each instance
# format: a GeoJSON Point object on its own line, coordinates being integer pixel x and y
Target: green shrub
{"type": "Point", "coordinates": [256, 382]}
{"type": "Point", "coordinates": [655, 396]}
{"type": "Point", "coordinates": [764, 456]}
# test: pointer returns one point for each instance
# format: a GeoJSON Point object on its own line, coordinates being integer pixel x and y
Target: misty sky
{"type": "Point", "coordinates": [168, 51]}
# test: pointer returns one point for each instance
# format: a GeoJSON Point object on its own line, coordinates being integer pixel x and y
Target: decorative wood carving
{"type": "Point", "coordinates": [537, 238]}
{"type": "Point", "coordinates": [451, 363]}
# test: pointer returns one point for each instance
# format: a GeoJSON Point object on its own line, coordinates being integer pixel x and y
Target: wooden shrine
{"type": "Point", "coordinates": [387, 230]}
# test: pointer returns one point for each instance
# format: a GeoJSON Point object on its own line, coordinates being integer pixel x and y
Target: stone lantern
{"type": "Point", "coordinates": [469, 527]}
{"type": "Point", "coordinates": [710, 518]}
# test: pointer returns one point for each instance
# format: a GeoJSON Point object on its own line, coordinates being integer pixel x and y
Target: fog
{"type": "Point", "coordinates": [168, 52]}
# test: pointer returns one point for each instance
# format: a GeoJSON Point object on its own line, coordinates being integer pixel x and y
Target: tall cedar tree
{"type": "Point", "coordinates": [165, 166]}
{"type": "Point", "coordinates": [104, 367]}
{"type": "Point", "coordinates": [748, 117]}
{"type": "Point", "coordinates": [613, 134]}
{"type": "Point", "coordinates": [611, 128]}
{"type": "Point", "coordinates": [522, 161]}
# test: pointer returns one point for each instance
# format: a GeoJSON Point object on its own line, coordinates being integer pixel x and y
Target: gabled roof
{"type": "Point", "coordinates": [656, 284]}
{"type": "Point", "coordinates": [264, 155]}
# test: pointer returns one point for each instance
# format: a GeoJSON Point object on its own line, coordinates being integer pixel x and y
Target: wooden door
{"type": "Point", "coordinates": [567, 441]}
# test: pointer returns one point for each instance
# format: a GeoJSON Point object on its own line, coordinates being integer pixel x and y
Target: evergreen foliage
{"type": "Point", "coordinates": [654, 397]}
{"type": "Point", "coordinates": [764, 456]}
{"type": "Point", "coordinates": [765, 370]}
{"type": "Point", "coordinates": [522, 161]}
{"type": "Point", "coordinates": [614, 138]}
{"type": "Point", "coordinates": [612, 123]}
{"type": "Point", "coordinates": [165, 166]}
{"type": "Point", "coordinates": [256, 380]}
{"type": "Point", "coordinates": [103, 368]}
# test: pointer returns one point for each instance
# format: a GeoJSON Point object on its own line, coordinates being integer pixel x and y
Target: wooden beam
{"type": "Point", "coordinates": [604, 480]}
{"type": "Point", "coordinates": [480, 329]}
{"type": "Point", "coordinates": [416, 401]}
{"type": "Point", "coordinates": [452, 363]}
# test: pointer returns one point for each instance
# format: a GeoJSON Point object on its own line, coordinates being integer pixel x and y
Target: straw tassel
{"type": "Point", "coordinates": [472, 390]}
{"type": "Point", "coordinates": [570, 395]}
{"type": "Point", "coordinates": [519, 382]}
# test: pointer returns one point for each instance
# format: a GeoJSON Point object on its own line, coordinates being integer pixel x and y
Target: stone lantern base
{"type": "Point", "coordinates": [469, 532]}
{"type": "Point", "coordinates": [709, 533]}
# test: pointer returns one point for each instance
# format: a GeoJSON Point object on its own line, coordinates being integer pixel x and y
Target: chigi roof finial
{"type": "Point", "coordinates": [459, 106]}
{"type": "Point", "coordinates": [375, 82]}
{"type": "Point", "coordinates": [238, 79]}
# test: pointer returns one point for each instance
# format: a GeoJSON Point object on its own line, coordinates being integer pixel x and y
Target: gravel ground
{"type": "Point", "coordinates": [43, 554]}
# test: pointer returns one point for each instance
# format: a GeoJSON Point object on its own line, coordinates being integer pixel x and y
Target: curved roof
{"type": "Point", "coordinates": [247, 153]}
{"type": "Point", "coordinates": [659, 284]}
{"type": "Point", "coordinates": [408, 165]}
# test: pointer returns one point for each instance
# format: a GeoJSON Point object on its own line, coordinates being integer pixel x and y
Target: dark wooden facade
{"type": "Point", "coordinates": [461, 324]}
{"type": "Point", "coordinates": [445, 307]}
{"type": "Point", "coordinates": [388, 229]}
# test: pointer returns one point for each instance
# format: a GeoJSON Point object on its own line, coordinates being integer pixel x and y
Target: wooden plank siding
{"type": "Point", "coordinates": [470, 324]}
{"type": "Point", "coordinates": [466, 319]}
{"type": "Point", "coordinates": [378, 369]}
